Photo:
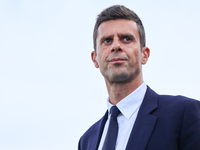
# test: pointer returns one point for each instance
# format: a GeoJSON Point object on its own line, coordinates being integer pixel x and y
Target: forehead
{"type": "Point", "coordinates": [120, 26]}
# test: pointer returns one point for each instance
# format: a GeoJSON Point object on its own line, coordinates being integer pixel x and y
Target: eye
{"type": "Point", "coordinates": [107, 40]}
{"type": "Point", "coordinates": [126, 39]}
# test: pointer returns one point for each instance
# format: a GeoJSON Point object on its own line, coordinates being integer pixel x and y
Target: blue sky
{"type": "Point", "coordinates": [50, 92]}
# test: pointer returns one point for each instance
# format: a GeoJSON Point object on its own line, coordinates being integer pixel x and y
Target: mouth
{"type": "Point", "coordinates": [117, 60]}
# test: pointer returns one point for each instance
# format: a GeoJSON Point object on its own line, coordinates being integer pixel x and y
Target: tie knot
{"type": "Point", "coordinates": [114, 111]}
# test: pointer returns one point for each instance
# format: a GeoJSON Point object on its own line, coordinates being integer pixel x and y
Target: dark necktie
{"type": "Point", "coordinates": [111, 136]}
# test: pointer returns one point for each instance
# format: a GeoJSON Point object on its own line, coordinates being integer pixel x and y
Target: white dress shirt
{"type": "Point", "coordinates": [129, 107]}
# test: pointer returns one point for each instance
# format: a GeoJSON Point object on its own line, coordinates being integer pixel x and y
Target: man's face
{"type": "Point", "coordinates": [118, 51]}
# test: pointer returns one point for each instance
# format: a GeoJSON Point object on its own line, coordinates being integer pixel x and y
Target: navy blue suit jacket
{"type": "Point", "coordinates": [163, 123]}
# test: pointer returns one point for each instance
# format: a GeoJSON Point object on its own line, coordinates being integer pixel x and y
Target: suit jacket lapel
{"type": "Point", "coordinates": [94, 140]}
{"type": "Point", "coordinates": [144, 123]}
{"type": "Point", "coordinates": [99, 132]}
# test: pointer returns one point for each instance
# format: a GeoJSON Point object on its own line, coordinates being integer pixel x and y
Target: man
{"type": "Point", "coordinates": [137, 117]}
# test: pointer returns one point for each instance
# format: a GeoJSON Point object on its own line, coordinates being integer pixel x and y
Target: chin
{"type": "Point", "coordinates": [120, 78]}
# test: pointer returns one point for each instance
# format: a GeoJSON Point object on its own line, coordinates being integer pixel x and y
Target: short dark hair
{"type": "Point", "coordinates": [119, 12]}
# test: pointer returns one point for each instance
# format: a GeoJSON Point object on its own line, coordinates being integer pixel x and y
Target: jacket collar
{"type": "Point", "coordinates": [144, 123]}
{"type": "Point", "coordinates": [142, 129]}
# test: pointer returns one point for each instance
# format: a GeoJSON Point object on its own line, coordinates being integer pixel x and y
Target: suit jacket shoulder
{"type": "Point", "coordinates": [166, 121]}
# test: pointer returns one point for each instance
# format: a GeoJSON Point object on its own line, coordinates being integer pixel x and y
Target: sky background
{"type": "Point", "coordinates": [50, 91]}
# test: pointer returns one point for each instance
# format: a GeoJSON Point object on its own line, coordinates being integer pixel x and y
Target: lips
{"type": "Point", "coordinates": [117, 60]}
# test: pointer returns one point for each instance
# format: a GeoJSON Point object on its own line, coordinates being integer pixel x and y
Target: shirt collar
{"type": "Point", "coordinates": [131, 102]}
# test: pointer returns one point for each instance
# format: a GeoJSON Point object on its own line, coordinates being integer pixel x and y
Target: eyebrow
{"type": "Point", "coordinates": [120, 35]}
{"type": "Point", "coordinates": [106, 37]}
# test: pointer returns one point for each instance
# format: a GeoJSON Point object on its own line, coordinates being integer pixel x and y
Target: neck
{"type": "Point", "coordinates": [118, 91]}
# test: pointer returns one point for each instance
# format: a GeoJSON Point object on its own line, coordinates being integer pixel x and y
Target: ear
{"type": "Point", "coordinates": [93, 56]}
{"type": "Point", "coordinates": [145, 55]}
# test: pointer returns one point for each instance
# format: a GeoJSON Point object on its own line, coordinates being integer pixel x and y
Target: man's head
{"type": "Point", "coordinates": [119, 12]}
{"type": "Point", "coordinates": [118, 50]}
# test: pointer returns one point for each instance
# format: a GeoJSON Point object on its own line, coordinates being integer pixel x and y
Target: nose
{"type": "Point", "coordinates": [116, 46]}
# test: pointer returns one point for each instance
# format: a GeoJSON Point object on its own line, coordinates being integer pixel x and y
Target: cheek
{"type": "Point", "coordinates": [135, 58]}
{"type": "Point", "coordinates": [99, 60]}
{"type": "Point", "coordinates": [138, 55]}
{"type": "Point", "coordinates": [101, 57]}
